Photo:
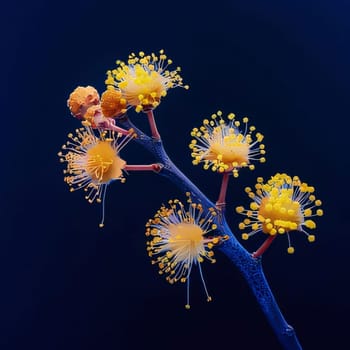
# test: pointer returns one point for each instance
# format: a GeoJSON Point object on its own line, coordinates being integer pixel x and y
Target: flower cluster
{"type": "Point", "coordinates": [180, 236]}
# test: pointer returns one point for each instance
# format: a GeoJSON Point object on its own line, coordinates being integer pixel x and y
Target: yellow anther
{"type": "Point", "coordinates": [245, 236]}
{"type": "Point", "coordinates": [290, 250]}
{"type": "Point", "coordinates": [311, 238]}
{"type": "Point", "coordinates": [273, 232]}
{"type": "Point", "coordinates": [239, 210]}
{"type": "Point", "coordinates": [254, 206]}
{"type": "Point", "coordinates": [307, 212]}
{"type": "Point", "coordinates": [310, 224]}
{"type": "Point", "coordinates": [261, 218]}
{"type": "Point", "coordinates": [255, 226]}
{"type": "Point", "coordinates": [283, 210]}
{"type": "Point", "coordinates": [269, 226]}
{"type": "Point", "coordinates": [293, 226]}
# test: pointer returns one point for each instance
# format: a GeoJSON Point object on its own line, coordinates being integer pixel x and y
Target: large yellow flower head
{"type": "Point", "coordinates": [179, 240]}
{"type": "Point", "coordinates": [144, 79]}
{"type": "Point", "coordinates": [281, 205]}
{"type": "Point", "coordinates": [220, 145]}
{"type": "Point", "coordinates": [93, 161]}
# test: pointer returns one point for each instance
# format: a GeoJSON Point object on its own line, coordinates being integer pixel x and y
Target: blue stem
{"type": "Point", "coordinates": [250, 267]}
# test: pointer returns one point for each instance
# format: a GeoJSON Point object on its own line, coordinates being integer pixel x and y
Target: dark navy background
{"type": "Point", "coordinates": [65, 283]}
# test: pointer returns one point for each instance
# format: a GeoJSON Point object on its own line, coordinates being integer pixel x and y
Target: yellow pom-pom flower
{"type": "Point", "coordinates": [93, 162]}
{"type": "Point", "coordinates": [221, 146]}
{"type": "Point", "coordinates": [280, 205]}
{"type": "Point", "coordinates": [179, 240]}
{"type": "Point", "coordinates": [144, 79]}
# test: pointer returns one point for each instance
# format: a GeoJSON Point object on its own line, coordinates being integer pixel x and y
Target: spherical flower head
{"type": "Point", "coordinates": [179, 240]}
{"type": "Point", "coordinates": [81, 99]}
{"type": "Point", "coordinates": [112, 103]}
{"type": "Point", "coordinates": [93, 161]}
{"type": "Point", "coordinates": [144, 79]}
{"type": "Point", "coordinates": [221, 146]}
{"type": "Point", "coordinates": [279, 206]}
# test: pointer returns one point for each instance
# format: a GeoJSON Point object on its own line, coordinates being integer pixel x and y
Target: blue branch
{"type": "Point", "coordinates": [250, 267]}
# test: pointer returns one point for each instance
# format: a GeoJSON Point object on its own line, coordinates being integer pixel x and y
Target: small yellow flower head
{"type": "Point", "coordinates": [221, 146]}
{"type": "Point", "coordinates": [144, 80]}
{"type": "Point", "coordinates": [81, 99]}
{"type": "Point", "coordinates": [112, 103]}
{"type": "Point", "coordinates": [179, 240]}
{"type": "Point", "coordinates": [93, 162]}
{"type": "Point", "coordinates": [281, 205]}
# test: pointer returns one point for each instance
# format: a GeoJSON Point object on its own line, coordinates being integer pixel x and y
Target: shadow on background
{"type": "Point", "coordinates": [66, 284]}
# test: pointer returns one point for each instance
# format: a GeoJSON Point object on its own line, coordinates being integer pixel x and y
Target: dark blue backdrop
{"type": "Point", "coordinates": [66, 284]}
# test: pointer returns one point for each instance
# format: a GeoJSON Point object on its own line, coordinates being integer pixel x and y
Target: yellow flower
{"type": "Point", "coordinates": [93, 162]}
{"type": "Point", "coordinates": [144, 80]}
{"type": "Point", "coordinates": [221, 146]}
{"type": "Point", "coordinates": [281, 205]}
{"type": "Point", "coordinates": [179, 240]}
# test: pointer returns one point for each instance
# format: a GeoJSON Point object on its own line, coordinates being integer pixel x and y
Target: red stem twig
{"type": "Point", "coordinates": [150, 167]}
{"type": "Point", "coordinates": [152, 124]}
{"type": "Point", "coordinates": [221, 202]}
{"type": "Point", "coordinates": [263, 247]}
